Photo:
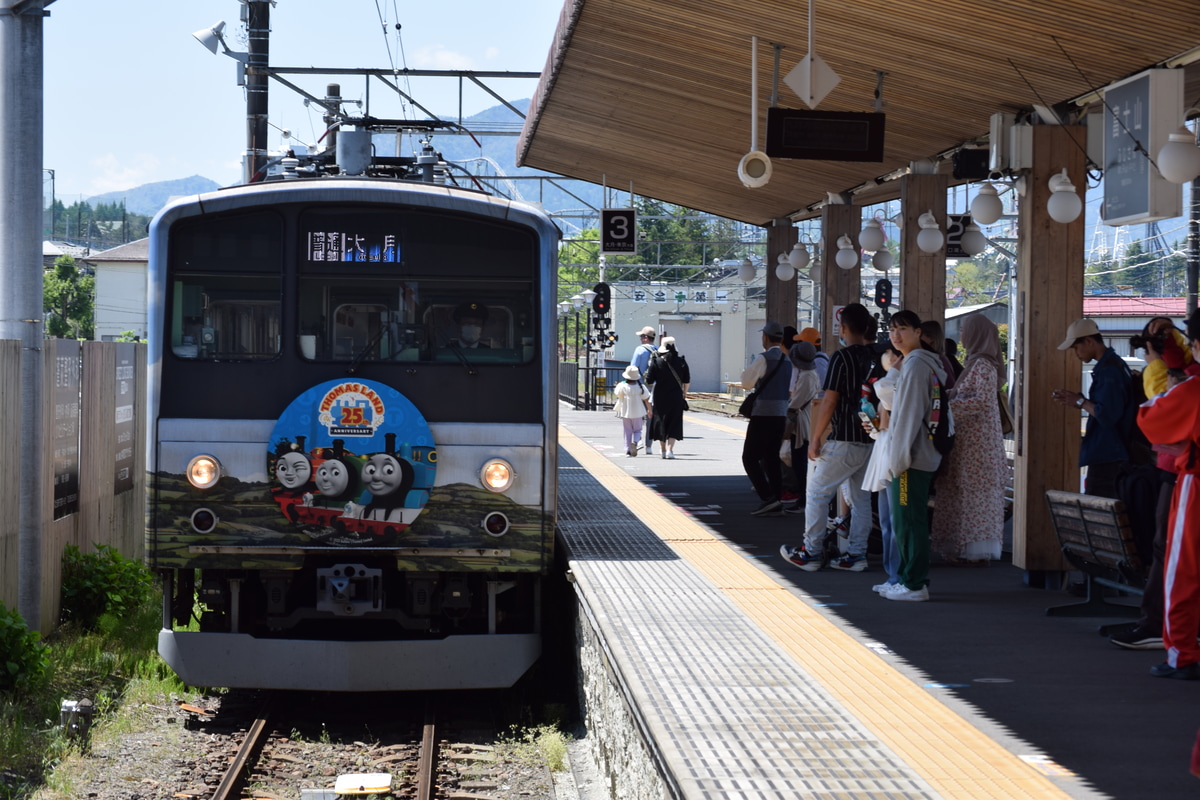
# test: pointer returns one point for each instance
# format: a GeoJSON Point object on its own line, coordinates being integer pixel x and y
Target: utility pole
{"type": "Point", "coordinates": [21, 114]}
{"type": "Point", "coordinates": [257, 62]}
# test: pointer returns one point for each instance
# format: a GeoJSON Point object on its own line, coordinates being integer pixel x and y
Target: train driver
{"type": "Point", "coordinates": [470, 318]}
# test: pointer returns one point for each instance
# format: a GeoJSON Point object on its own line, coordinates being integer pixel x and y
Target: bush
{"type": "Point", "coordinates": [104, 582]}
{"type": "Point", "coordinates": [22, 655]}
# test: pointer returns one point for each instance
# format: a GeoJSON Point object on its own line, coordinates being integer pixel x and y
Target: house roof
{"type": "Point", "coordinates": [654, 96]}
{"type": "Point", "coordinates": [138, 250]}
{"type": "Point", "coordinates": [1135, 307]}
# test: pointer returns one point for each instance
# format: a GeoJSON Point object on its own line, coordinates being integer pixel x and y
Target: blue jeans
{"type": "Point", "coordinates": [839, 462]}
{"type": "Point", "coordinates": [891, 551]}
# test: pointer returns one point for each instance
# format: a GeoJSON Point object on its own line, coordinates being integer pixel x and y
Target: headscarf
{"type": "Point", "coordinates": [981, 339]}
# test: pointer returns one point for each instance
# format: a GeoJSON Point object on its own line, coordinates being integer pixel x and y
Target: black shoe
{"type": "Point", "coordinates": [771, 507]}
{"type": "Point", "coordinates": [1188, 672]}
{"type": "Point", "coordinates": [1138, 638]}
{"type": "Point", "coordinates": [795, 508]}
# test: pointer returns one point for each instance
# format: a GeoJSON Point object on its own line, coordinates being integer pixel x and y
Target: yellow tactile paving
{"type": "Point", "coordinates": [957, 759]}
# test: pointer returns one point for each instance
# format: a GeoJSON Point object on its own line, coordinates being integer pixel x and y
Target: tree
{"type": "Point", "coordinates": [68, 297]}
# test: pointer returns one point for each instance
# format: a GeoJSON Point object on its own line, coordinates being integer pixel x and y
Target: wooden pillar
{"type": "Point", "coordinates": [1049, 296]}
{"type": "Point", "coordinates": [781, 295]}
{"type": "Point", "coordinates": [922, 275]}
{"type": "Point", "coordinates": [839, 287]}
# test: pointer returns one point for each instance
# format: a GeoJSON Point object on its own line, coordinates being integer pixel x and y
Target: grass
{"type": "Point", "coordinates": [113, 664]}
{"type": "Point", "coordinates": [544, 744]}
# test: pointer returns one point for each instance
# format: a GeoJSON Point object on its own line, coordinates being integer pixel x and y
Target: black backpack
{"type": "Point", "coordinates": [940, 425]}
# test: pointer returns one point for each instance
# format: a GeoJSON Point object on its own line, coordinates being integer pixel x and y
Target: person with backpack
{"type": "Point", "coordinates": [1109, 405]}
{"type": "Point", "coordinates": [920, 428]}
{"type": "Point", "coordinates": [768, 376]}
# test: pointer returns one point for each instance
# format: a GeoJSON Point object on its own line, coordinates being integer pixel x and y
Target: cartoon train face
{"type": "Point", "coordinates": [339, 496]}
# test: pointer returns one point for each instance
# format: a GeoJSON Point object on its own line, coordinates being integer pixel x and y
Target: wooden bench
{"type": "Point", "coordinates": [1096, 537]}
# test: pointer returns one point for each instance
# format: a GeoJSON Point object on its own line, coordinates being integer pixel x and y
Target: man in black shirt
{"type": "Point", "coordinates": [842, 456]}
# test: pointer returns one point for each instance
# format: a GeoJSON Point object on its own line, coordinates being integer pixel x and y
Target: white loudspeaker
{"type": "Point", "coordinates": [754, 170]}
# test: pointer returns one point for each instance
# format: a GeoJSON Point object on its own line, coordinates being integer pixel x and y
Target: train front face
{"type": "Point", "coordinates": [352, 424]}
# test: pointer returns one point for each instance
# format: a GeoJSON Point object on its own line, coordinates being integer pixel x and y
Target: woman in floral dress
{"type": "Point", "coordinates": [968, 520]}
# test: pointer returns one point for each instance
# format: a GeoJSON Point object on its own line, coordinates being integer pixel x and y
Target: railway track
{"type": "Point", "coordinates": [271, 750]}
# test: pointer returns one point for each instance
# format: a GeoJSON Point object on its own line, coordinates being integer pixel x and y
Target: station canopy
{"type": "Point", "coordinates": [656, 93]}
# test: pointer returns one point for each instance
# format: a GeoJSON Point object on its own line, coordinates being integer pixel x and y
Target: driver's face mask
{"type": "Point", "coordinates": [471, 333]}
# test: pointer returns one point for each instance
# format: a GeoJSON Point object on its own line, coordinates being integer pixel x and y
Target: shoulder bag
{"type": "Point", "coordinates": [747, 406]}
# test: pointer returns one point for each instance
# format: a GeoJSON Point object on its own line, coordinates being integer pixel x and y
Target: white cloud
{"type": "Point", "coordinates": [491, 53]}
{"type": "Point", "coordinates": [438, 56]}
{"type": "Point", "coordinates": [111, 174]}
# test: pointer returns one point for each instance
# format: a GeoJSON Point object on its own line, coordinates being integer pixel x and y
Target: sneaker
{"type": "Point", "coordinates": [1188, 672]}
{"type": "Point", "coordinates": [633, 451]}
{"type": "Point", "coordinates": [850, 562]}
{"type": "Point", "coordinates": [903, 593]}
{"type": "Point", "coordinates": [795, 508]}
{"type": "Point", "coordinates": [1138, 638]}
{"type": "Point", "coordinates": [787, 497]}
{"type": "Point", "coordinates": [801, 558]}
{"type": "Point", "coordinates": [881, 588]}
{"type": "Point", "coordinates": [670, 455]}
{"type": "Point", "coordinates": [772, 507]}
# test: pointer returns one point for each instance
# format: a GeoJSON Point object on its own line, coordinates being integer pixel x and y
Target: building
{"type": "Point", "coordinates": [121, 301]}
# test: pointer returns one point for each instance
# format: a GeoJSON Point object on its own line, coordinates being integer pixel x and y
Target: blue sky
{"type": "Point", "coordinates": [132, 98]}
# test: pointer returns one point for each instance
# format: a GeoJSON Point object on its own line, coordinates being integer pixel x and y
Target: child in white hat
{"type": "Point", "coordinates": [631, 405]}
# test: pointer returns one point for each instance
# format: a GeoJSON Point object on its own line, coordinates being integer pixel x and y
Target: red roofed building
{"type": "Point", "coordinates": [1120, 317]}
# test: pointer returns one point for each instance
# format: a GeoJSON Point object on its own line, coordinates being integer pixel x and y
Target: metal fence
{"type": "Point", "coordinates": [588, 387]}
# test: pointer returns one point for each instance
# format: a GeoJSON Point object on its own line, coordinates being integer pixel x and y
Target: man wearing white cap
{"type": "Point", "coordinates": [1109, 404]}
{"type": "Point", "coordinates": [641, 359]}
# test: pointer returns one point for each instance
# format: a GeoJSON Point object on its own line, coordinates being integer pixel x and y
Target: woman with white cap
{"type": "Point", "coordinates": [631, 405]}
{"type": "Point", "coordinates": [669, 375]}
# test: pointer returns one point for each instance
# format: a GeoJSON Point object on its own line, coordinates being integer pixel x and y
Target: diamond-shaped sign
{"type": "Point", "coordinates": [812, 79]}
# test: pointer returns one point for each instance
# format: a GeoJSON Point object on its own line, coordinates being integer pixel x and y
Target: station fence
{"type": "Point", "coordinates": [92, 459]}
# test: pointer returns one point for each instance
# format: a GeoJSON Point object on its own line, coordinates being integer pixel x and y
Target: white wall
{"type": "Point", "coordinates": [120, 299]}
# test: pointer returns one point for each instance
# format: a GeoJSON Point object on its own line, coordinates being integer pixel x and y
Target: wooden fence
{"type": "Point", "coordinates": [87, 390]}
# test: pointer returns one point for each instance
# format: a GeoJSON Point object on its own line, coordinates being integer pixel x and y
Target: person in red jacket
{"type": "Point", "coordinates": [1174, 418]}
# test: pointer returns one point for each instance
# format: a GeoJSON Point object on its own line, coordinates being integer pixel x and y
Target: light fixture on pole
{"type": "Point", "coordinates": [987, 207]}
{"type": "Point", "coordinates": [1179, 159]}
{"type": "Point", "coordinates": [1064, 204]}
{"type": "Point", "coordinates": [746, 271]}
{"type": "Point", "coordinates": [930, 238]}
{"type": "Point", "coordinates": [972, 241]}
{"type": "Point", "coordinates": [577, 301]}
{"type": "Point", "coordinates": [882, 260]}
{"type": "Point", "coordinates": [846, 256]}
{"type": "Point", "coordinates": [564, 307]}
{"type": "Point", "coordinates": [784, 270]}
{"type": "Point", "coordinates": [214, 37]}
{"type": "Point", "coordinates": [871, 236]}
{"type": "Point", "coordinates": [798, 258]}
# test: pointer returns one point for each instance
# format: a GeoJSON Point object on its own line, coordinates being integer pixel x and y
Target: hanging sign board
{"type": "Point", "coordinates": [618, 231]}
{"type": "Point", "coordinates": [1139, 114]}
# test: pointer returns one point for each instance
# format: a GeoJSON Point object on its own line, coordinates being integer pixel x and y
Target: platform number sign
{"type": "Point", "coordinates": [618, 231]}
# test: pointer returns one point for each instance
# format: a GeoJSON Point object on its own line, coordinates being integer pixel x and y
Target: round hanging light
{"type": "Point", "coordinates": [882, 260]}
{"type": "Point", "coordinates": [1179, 159]}
{"type": "Point", "coordinates": [973, 242]}
{"type": "Point", "coordinates": [930, 239]}
{"type": "Point", "coordinates": [871, 237]}
{"type": "Point", "coordinates": [846, 256]}
{"type": "Point", "coordinates": [1064, 204]}
{"type": "Point", "coordinates": [784, 270]}
{"type": "Point", "coordinates": [798, 258]}
{"type": "Point", "coordinates": [746, 271]}
{"type": "Point", "coordinates": [987, 207]}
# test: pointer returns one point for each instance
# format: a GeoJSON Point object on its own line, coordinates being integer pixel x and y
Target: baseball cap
{"type": "Point", "coordinates": [1079, 328]}
{"type": "Point", "coordinates": [811, 335]}
{"type": "Point", "coordinates": [647, 331]}
{"type": "Point", "coordinates": [773, 330]}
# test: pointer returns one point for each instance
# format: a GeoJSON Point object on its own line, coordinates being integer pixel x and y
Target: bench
{"type": "Point", "coordinates": [1096, 537]}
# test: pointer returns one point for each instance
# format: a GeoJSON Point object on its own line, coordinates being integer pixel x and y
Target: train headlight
{"type": "Point", "coordinates": [203, 472]}
{"type": "Point", "coordinates": [497, 475]}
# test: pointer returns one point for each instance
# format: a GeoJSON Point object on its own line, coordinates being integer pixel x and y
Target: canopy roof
{"type": "Point", "coordinates": [657, 92]}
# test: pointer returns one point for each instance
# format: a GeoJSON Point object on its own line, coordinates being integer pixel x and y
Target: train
{"type": "Point", "coordinates": [351, 430]}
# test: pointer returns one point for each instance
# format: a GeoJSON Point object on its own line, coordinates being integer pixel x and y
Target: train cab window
{"type": "Point", "coordinates": [225, 288]}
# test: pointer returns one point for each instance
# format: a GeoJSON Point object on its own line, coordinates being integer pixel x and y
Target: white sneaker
{"type": "Point", "coordinates": [881, 588]}
{"type": "Point", "coordinates": [902, 592]}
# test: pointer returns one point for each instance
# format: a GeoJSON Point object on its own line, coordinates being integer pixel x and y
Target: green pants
{"type": "Point", "coordinates": [910, 524]}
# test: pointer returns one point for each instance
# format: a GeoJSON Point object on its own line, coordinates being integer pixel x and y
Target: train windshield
{"type": "Point", "coordinates": [379, 284]}
{"type": "Point", "coordinates": [227, 288]}
{"type": "Point", "coordinates": [372, 284]}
